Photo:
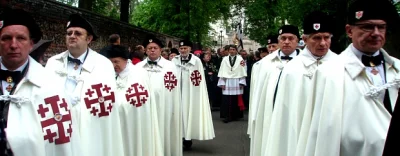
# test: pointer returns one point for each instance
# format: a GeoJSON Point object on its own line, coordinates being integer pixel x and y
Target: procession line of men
{"type": "Point", "coordinates": [83, 103]}
{"type": "Point", "coordinates": [315, 102]}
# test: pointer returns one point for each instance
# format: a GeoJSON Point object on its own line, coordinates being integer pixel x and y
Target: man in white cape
{"type": "Point", "coordinates": [88, 80]}
{"type": "Point", "coordinates": [34, 116]}
{"type": "Point", "coordinates": [355, 94]}
{"type": "Point", "coordinates": [295, 83]}
{"type": "Point", "coordinates": [197, 120]}
{"type": "Point", "coordinates": [267, 81]}
{"type": "Point", "coordinates": [138, 112]}
{"type": "Point", "coordinates": [232, 79]}
{"type": "Point", "coordinates": [166, 92]}
{"type": "Point", "coordinates": [272, 46]}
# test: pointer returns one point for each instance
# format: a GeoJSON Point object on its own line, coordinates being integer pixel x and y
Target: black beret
{"type": "Point", "coordinates": [185, 43]}
{"type": "Point", "coordinates": [262, 49]}
{"type": "Point", "coordinates": [152, 39]}
{"type": "Point", "coordinates": [289, 29]}
{"type": "Point", "coordinates": [361, 10]}
{"type": "Point", "coordinates": [271, 39]}
{"type": "Point", "coordinates": [21, 17]}
{"type": "Point", "coordinates": [174, 51]}
{"type": "Point", "coordinates": [318, 21]}
{"type": "Point", "coordinates": [76, 20]}
{"type": "Point", "coordinates": [117, 51]}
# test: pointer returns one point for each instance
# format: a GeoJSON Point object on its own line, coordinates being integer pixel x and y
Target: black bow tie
{"type": "Point", "coordinates": [152, 62]}
{"type": "Point", "coordinates": [73, 60]}
{"type": "Point", "coordinates": [10, 76]}
{"type": "Point", "coordinates": [286, 58]}
{"type": "Point", "coordinates": [371, 61]}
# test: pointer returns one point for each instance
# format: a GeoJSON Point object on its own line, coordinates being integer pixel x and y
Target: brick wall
{"type": "Point", "coordinates": [53, 16]}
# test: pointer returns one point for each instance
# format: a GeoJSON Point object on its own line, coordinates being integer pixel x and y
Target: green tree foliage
{"type": "Point", "coordinates": [264, 17]}
{"type": "Point", "coordinates": [173, 17]}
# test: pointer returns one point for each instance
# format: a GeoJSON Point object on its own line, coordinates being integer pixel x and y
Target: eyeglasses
{"type": "Point", "coordinates": [371, 27]}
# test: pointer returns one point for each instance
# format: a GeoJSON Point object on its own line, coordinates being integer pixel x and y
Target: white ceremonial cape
{"type": "Point", "coordinates": [165, 87]}
{"type": "Point", "coordinates": [346, 121]}
{"type": "Point", "coordinates": [197, 120]}
{"type": "Point", "coordinates": [269, 70]}
{"type": "Point", "coordinates": [294, 88]}
{"type": "Point", "coordinates": [237, 71]}
{"type": "Point", "coordinates": [94, 104]}
{"type": "Point", "coordinates": [39, 120]}
{"type": "Point", "coordinates": [253, 95]}
{"type": "Point", "coordinates": [138, 113]}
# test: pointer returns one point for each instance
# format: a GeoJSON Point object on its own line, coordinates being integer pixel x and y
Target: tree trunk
{"type": "Point", "coordinates": [86, 4]}
{"type": "Point", "coordinates": [124, 9]}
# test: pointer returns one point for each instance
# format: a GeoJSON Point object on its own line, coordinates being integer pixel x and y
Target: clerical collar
{"type": "Point", "coordinates": [359, 54]}
{"type": "Point", "coordinates": [21, 68]}
{"type": "Point", "coordinates": [80, 58]}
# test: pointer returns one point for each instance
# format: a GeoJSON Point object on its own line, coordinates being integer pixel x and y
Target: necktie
{"type": "Point", "coordinates": [286, 58]}
{"type": "Point", "coordinates": [371, 61]}
{"type": "Point", "coordinates": [152, 62]}
{"type": "Point", "coordinates": [75, 61]}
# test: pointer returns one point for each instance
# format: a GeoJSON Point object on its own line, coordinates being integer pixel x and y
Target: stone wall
{"type": "Point", "coordinates": [53, 16]}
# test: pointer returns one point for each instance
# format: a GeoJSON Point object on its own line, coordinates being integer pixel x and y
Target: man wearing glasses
{"type": "Point", "coordinates": [354, 95]}
{"type": "Point", "coordinates": [88, 80]}
{"type": "Point", "coordinates": [267, 79]}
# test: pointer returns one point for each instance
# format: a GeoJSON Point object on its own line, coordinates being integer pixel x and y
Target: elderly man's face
{"type": "Point", "coordinates": [77, 38]}
{"type": "Point", "coordinates": [272, 47]}
{"type": "Point", "coordinates": [15, 45]}
{"type": "Point", "coordinates": [367, 36]}
{"type": "Point", "coordinates": [184, 50]}
{"type": "Point", "coordinates": [318, 43]}
{"type": "Point", "coordinates": [119, 64]}
{"type": "Point", "coordinates": [288, 43]}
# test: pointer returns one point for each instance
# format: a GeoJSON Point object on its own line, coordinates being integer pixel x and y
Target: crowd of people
{"type": "Point", "coordinates": [303, 99]}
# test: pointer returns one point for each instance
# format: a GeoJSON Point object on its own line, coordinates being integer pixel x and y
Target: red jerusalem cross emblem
{"type": "Point", "coordinates": [99, 104]}
{"type": "Point", "coordinates": [317, 26]}
{"type": "Point", "coordinates": [55, 120]}
{"type": "Point", "coordinates": [170, 81]}
{"type": "Point", "coordinates": [195, 77]}
{"type": "Point", "coordinates": [137, 95]}
{"type": "Point", "coordinates": [359, 14]}
{"type": "Point", "coordinates": [242, 63]}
